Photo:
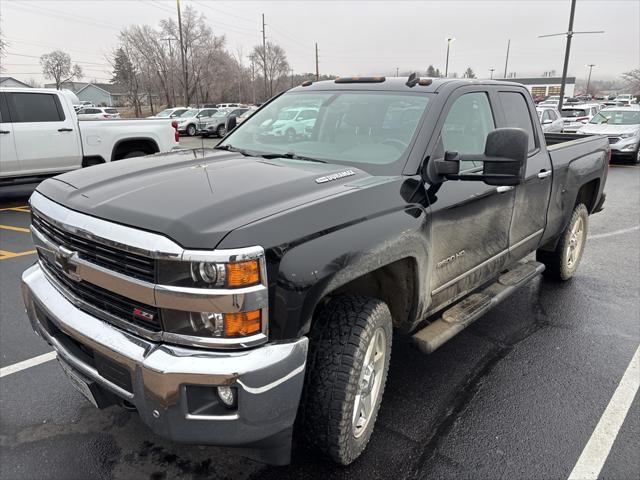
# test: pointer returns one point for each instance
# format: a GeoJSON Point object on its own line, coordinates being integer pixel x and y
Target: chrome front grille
{"type": "Point", "coordinates": [130, 264]}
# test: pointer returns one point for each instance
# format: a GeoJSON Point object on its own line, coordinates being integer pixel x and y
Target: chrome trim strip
{"type": "Point", "coordinates": [266, 388]}
{"type": "Point", "coordinates": [111, 234]}
{"type": "Point", "coordinates": [489, 260]}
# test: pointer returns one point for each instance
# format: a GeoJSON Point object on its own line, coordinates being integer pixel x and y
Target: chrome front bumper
{"type": "Point", "coordinates": [268, 378]}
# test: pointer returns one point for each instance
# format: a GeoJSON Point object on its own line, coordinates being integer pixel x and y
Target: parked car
{"type": "Point", "coordinates": [217, 124]}
{"type": "Point", "coordinates": [87, 103]}
{"type": "Point", "coordinates": [550, 119]}
{"type": "Point", "coordinates": [41, 136]}
{"type": "Point", "coordinates": [622, 126]}
{"type": "Point", "coordinates": [264, 296]}
{"type": "Point", "coordinates": [170, 113]}
{"type": "Point", "coordinates": [291, 123]}
{"type": "Point", "coordinates": [577, 116]}
{"type": "Point", "coordinates": [626, 99]}
{"type": "Point", "coordinates": [229, 105]}
{"type": "Point", "coordinates": [97, 113]}
{"type": "Point", "coordinates": [241, 118]}
{"type": "Point", "coordinates": [188, 122]}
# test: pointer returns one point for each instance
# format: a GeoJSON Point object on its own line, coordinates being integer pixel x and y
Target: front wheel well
{"type": "Point", "coordinates": [394, 284]}
{"type": "Point", "coordinates": [124, 147]}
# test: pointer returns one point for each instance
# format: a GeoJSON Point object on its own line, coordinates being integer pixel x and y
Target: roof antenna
{"type": "Point", "coordinates": [413, 80]}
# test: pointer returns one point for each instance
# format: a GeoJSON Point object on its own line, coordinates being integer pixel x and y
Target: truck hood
{"type": "Point", "coordinates": [605, 129]}
{"type": "Point", "coordinates": [195, 197]}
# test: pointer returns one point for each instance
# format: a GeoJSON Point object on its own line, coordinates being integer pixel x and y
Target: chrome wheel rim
{"type": "Point", "coordinates": [576, 242]}
{"type": "Point", "coordinates": [369, 383]}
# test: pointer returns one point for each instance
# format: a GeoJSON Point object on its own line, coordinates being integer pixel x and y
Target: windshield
{"type": "Point", "coordinates": [617, 117]}
{"type": "Point", "coordinates": [363, 129]}
{"type": "Point", "coordinates": [574, 112]}
{"type": "Point", "coordinates": [165, 113]}
{"type": "Point", "coordinates": [188, 114]}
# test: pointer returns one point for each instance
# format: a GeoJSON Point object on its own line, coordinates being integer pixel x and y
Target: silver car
{"type": "Point", "coordinates": [576, 116]}
{"type": "Point", "coordinates": [622, 126]}
{"type": "Point", "coordinates": [550, 119]}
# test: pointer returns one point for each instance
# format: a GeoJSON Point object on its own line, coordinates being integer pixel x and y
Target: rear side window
{"type": "Point", "coordinates": [110, 110]}
{"type": "Point", "coordinates": [516, 112]}
{"type": "Point", "coordinates": [35, 107]}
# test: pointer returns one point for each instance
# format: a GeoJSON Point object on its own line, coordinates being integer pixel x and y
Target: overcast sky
{"type": "Point", "coordinates": [358, 37]}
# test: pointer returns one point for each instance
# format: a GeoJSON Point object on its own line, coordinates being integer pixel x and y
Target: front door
{"type": "Point", "coordinates": [9, 165]}
{"type": "Point", "coordinates": [47, 140]}
{"type": "Point", "coordinates": [470, 219]}
{"type": "Point", "coordinates": [532, 196]}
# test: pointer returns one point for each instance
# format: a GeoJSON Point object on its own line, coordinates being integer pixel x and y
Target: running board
{"type": "Point", "coordinates": [469, 309]}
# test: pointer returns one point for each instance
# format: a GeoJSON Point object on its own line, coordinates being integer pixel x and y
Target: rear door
{"type": "Point", "coordinates": [47, 140]}
{"type": "Point", "coordinates": [9, 164]}
{"type": "Point", "coordinates": [470, 220]}
{"type": "Point", "coordinates": [532, 196]}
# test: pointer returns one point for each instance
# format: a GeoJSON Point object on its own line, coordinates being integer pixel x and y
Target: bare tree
{"type": "Point", "coordinates": [57, 66]}
{"type": "Point", "coordinates": [276, 66]}
{"type": "Point", "coordinates": [632, 79]}
{"type": "Point", "coordinates": [32, 82]}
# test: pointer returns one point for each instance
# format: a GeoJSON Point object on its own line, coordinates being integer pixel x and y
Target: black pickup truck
{"type": "Point", "coordinates": [248, 294]}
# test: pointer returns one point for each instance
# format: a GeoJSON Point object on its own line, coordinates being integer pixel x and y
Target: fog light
{"type": "Point", "coordinates": [227, 396]}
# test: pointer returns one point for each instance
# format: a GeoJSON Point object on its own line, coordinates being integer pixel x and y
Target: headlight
{"type": "Point", "coordinates": [205, 274]}
{"type": "Point", "coordinates": [629, 135]}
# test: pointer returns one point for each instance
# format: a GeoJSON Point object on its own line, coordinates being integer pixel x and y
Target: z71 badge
{"type": "Point", "coordinates": [335, 176]}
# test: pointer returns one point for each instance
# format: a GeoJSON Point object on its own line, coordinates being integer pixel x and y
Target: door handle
{"type": "Point", "coordinates": [65, 129]}
{"type": "Point", "coordinates": [4, 131]}
{"type": "Point", "coordinates": [504, 188]}
{"type": "Point", "coordinates": [544, 173]}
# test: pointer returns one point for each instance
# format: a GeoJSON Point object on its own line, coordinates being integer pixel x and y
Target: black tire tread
{"type": "Point", "coordinates": [338, 342]}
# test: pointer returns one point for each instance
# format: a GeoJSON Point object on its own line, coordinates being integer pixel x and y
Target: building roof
{"type": "Point", "coordinates": [5, 78]}
{"type": "Point", "coordinates": [539, 80]}
{"type": "Point", "coordinates": [110, 88]}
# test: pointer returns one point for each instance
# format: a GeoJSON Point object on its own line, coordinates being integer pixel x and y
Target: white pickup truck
{"type": "Point", "coordinates": [40, 136]}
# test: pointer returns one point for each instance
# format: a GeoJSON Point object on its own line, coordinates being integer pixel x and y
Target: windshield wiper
{"type": "Point", "coordinates": [292, 156]}
{"type": "Point", "coordinates": [231, 148]}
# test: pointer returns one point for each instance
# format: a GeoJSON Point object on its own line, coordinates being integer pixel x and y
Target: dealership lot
{"type": "Point", "coordinates": [517, 395]}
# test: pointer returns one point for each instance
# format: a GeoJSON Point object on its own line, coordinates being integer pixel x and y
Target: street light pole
{"type": "Point", "coordinates": [591, 65]}
{"type": "Point", "coordinates": [446, 67]}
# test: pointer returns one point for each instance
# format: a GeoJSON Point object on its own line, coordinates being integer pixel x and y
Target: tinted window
{"type": "Point", "coordinates": [467, 125]}
{"type": "Point", "coordinates": [516, 113]}
{"type": "Point", "coordinates": [110, 110]}
{"type": "Point", "coordinates": [35, 107]}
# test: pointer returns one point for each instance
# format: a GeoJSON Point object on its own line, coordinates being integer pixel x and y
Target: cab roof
{"type": "Point", "coordinates": [394, 84]}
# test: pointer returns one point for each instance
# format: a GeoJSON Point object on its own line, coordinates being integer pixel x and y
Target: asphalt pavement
{"type": "Point", "coordinates": [516, 396]}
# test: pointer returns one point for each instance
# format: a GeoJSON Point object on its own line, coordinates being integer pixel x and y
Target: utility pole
{"type": "Point", "coordinates": [291, 70]}
{"type": "Point", "coordinates": [173, 80]}
{"type": "Point", "coordinates": [317, 69]}
{"type": "Point", "coordinates": [264, 57]}
{"type": "Point", "coordinates": [569, 34]}
{"type": "Point", "coordinates": [492, 70]}
{"type": "Point", "coordinates": [591, 65]}
{"type": "Point", "coordinates": [506, 62]}
{"type": "Point", "coordinates": [184, 65]}
{"type": "Point", "coordinates": [397, 70]}
{"type": "Point", "coordinates": [446, 67]}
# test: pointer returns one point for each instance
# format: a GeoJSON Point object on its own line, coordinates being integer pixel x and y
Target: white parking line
{"type": "Point", "coordinates": [597, 450]}
{"type": "Point", "coordinates": [32, 362]}
{"type": "Point", "coordinates": [616, 232]}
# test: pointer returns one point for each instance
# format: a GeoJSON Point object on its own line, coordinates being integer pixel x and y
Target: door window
{"type": "Point", "coordinates": [517, 115]}
{"type": "Point", "coordinates": [35, 107]}
{"type": "Point", "coordinates": [468, 123]}
{"type": "Point", "coordinates": [552, 115]}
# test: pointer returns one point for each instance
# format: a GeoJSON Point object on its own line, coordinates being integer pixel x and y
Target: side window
{"type": "Point", "coordinates": [467, 125]}
{"type": "Point", "coordinates": [546, 115]}
{"type": "Point", "coordinates": [516, 113]}
{"type": "Point", "coordinates": [552, 115]}
{"type": "Point", "coordinates": [35, 107]}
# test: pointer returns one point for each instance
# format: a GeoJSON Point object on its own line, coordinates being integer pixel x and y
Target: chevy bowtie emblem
{"type": "Point", "coordinates": [335, 176]}
{"type": "Point", "coordinates": [63, 261]}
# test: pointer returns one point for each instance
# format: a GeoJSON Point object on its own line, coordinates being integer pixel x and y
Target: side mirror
{"type": "Point", "coordinates": [504, 158]}
{"type": "Point", "coordinates": [231, 123]}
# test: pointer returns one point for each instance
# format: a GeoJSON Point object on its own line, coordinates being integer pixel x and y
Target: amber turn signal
{"type": "Point", "coordinates": [243, 274]}
{"type": "Point", "coordinates": [242, 324]}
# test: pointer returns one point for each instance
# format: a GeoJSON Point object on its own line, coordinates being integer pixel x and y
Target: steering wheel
{"type": "Point", "coordinates": [394, 142]}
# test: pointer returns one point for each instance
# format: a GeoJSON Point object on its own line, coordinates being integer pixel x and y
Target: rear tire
{"type": "Point", "coordinates": [348, 361]}
{"type": "Point", "coordinates": [135, 153]}
{"type": "Point", "coordinates": [221, 131]}
{"type": "Point", "coordinates": [562, 263]}
{"type": "Point", "coordinates": [191, 130]}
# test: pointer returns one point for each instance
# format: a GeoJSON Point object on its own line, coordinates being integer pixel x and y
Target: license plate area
{"type": "Point", "coordinates": [87, 387]}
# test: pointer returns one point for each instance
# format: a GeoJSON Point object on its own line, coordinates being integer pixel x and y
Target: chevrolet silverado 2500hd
{"type": "Point", "coordinates": [40, 136]}
{"type": "Point", "coordinates": [243, 295]}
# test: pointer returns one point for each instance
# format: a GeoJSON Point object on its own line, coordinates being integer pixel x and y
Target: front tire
{"type": "Point", "coordinates": [221, 131]}
{"type": "Point", "coordinates": [562, 263]}
{"type": "Point", "coordinates": [348, 362]}
{"type": "Point", "coordinates": [191, 130]}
